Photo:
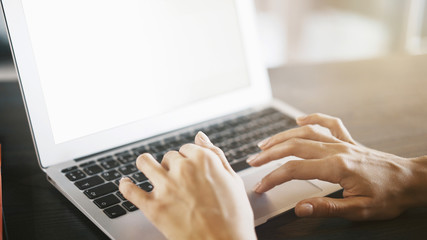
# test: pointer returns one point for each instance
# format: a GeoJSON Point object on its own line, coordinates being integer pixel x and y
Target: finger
{"type": "Point", "coordinates": [199, 154]}
{"type": "Point", "coordinates": [334, 124]}
{"type": "Point", "coordinates": [151, 168]}
{"type": "Point", "coordinates": [352, 208]}
{"type": "Point", "coordinates": [170, 159]}
{"type": "Point", "coordinates": [133, 193]}
{"type": "Point", "coordinates": [309, 132]}
{"type": "Point", "coordinates": [298, 147]}
{"type": "Point", "coordinates": [301, 170]}
{"type": "Point", "coordinates": [202, 140]}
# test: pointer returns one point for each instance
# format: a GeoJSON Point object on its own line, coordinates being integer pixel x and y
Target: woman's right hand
{"type": "Point", "coordinates": [377, 185]}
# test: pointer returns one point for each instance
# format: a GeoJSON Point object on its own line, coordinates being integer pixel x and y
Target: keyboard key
{"type": "Point", "coordinates": [75, 175]}
{"type": "Point", "coordinates": [107, 158]}
{"type": "Point", "coordinates": [240, 166]}
{"type": "Point", "coordinates": [174, 146]}
{"type": "Point", "coordinates": [139, 177]}
{"type": "Point", "coordinates": [106, 201]}
{"type": "Point", "coordinates": [124, 153]}
{"type": "Point", "coordinates": [128, 169]}
{"type": "Point", "coordinates": [109, 164]}
{"type": "Point", "coordinates": [252, 150]}
{"type": "Point", "coordinates": [159, 156]}
{"type": "Point", "coordinates": [100, 190]}
{"type": "Point", "coordinates": [125, 157]}
{"type": "Point", "coordinates": [110, 175]}
{"type": "Point", "coordinates": [139, 150]}
{"type": "Point", "coordinates": [89, 182]}
{"type": "Point", "coordinates": [170, 139]}
{"type": "Point", "coordinates": [129, 206]}
{"type": "Point", "coordinates": [115, 211]}
{"type": "Point", "coordinates": [86, 164]}
{"type": "Point", "coordinates": [65, 170]}
{"type": "Point", "coordinates": [146, 186]}
{"type": "Point", "coordinates": [186, 138]}
{"type": "Point", "coordinates": [93, 169]}
{"type": "Point", "coordinates": [239, 154]}
{"type": "Point", "coordinates": [268, 111]}
{"type": "Point", "coordinates": [120, 195]}
{"type": "Point", "coordinates": [229, 156]}
{"type": "Point", "coordinates": [157, 147]}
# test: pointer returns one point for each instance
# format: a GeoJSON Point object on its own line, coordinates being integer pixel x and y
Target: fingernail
{"type": "Point", "coordinates": [263, 143]}
{"type": "Point", "coordinates": [255, 188]}
{"type": "Point", "coordinates": [252, 158]}
{"type": "Point", "coordinates": [202, 136]}
{"type": "Point", "coordinates": [301, 118]}
{"type": "Point", "coordinates": [305, 210]}
{"type": "Point", "coordinates": [124, 179]}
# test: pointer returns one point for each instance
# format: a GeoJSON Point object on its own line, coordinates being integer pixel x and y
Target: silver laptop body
{"type": "Point", "coordinates": [102, 78]}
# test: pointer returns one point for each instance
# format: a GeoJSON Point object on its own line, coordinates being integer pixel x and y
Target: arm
{"type": "Point", "coordinates": [196, 194]}
{"type": "Point", "coordinates": [376, 185]}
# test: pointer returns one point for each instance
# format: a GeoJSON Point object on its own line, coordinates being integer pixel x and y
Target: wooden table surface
{"type": "Point", "coordinates": [383, 102]}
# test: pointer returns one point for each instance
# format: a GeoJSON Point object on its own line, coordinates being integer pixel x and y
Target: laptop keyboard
{"type": "Point", "coordinates": [238, 136]}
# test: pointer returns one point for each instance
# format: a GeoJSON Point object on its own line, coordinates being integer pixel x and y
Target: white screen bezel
{"type": "Point", "coordinates": [50, 153]}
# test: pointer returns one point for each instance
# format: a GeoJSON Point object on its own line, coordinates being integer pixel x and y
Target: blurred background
{"type": "Point", "coordinates": [318, 31]}
{"type": "Point", "coordinates": [313, 31]}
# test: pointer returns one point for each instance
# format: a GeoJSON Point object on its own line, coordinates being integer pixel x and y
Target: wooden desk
{"type": "Point", "coordinates": [383, 103]}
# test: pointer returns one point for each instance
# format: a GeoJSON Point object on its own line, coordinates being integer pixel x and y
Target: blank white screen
{"type": "Point", "coordinates": [106, 63]}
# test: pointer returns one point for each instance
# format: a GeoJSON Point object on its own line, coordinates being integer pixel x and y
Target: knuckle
{"type": "Point", "coordinates": [317, 115]}
{"type": "Point", "coordinates": [217, 150]}
{"type": "Point", "coordinates": [336, 121]}
{"type": "Point", "coordinates": [344, 148]}
{"type": "Point", "coordinates": [187, 167]}
{"type": "Point", "coordinates": [291, 167]}
{"type": "Point", "coordinates": [310, 130]}
{"type": "Point", "coordinates": [332, 209]}
{"type": "Point", "coordinates": [184, 147]}
{"type": "Point", "coordinates": [340, 162]}
{"type": "Point", "coordinates": [293, 142]}
{"type": "Point", "coordinates": [170, 154]}
{"type": "Point", "coordinates": [200, 154]}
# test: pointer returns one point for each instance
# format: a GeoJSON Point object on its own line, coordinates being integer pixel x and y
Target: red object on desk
{"type": "Point", "coordinates": [1, 203]}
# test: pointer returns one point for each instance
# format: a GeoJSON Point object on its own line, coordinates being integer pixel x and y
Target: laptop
{"type": "Point", "coordinates": [104, 81]}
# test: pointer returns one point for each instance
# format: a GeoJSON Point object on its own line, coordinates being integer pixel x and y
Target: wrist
{"type": "Point", "coordinates": [217, 228]}
{"type": "Point", "coordinates": [226, 234]}
{"type": "Point", "coordinates": [417, 188]}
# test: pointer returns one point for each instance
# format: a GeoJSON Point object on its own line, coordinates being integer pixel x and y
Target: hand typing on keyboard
{"type": "Point", "coordinates": [377, 185]}
{"type": "Point", "coordinates": [196, 194]}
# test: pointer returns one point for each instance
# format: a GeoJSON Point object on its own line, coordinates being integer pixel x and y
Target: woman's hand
{"type": "Point", "coordinates": [377, 185]}
{"type": "Point", "coordinates": [196, 194]}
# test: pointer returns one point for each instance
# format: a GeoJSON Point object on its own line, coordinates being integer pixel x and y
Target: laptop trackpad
{"type": "Point", "coordinates": [279, 199]}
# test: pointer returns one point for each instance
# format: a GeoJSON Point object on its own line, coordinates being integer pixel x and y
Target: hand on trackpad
{"type": "Point", "coordinates": [279, 199]}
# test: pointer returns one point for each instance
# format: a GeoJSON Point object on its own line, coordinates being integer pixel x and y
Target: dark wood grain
{"type": "Point", "coordinates": [33, 208]}
{"type": "Point", "coordinates": [383, 103]}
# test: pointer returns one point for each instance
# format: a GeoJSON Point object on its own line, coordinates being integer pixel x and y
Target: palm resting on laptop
{"type": "Point", "coordinates": [198, 196]}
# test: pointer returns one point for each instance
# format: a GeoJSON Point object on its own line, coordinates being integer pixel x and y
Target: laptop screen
{"type": "Point", "coordinates": [103, 63]}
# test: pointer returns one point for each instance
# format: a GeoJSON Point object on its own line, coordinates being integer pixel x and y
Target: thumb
{"type": "Point", "coordinates": [352, 208]}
